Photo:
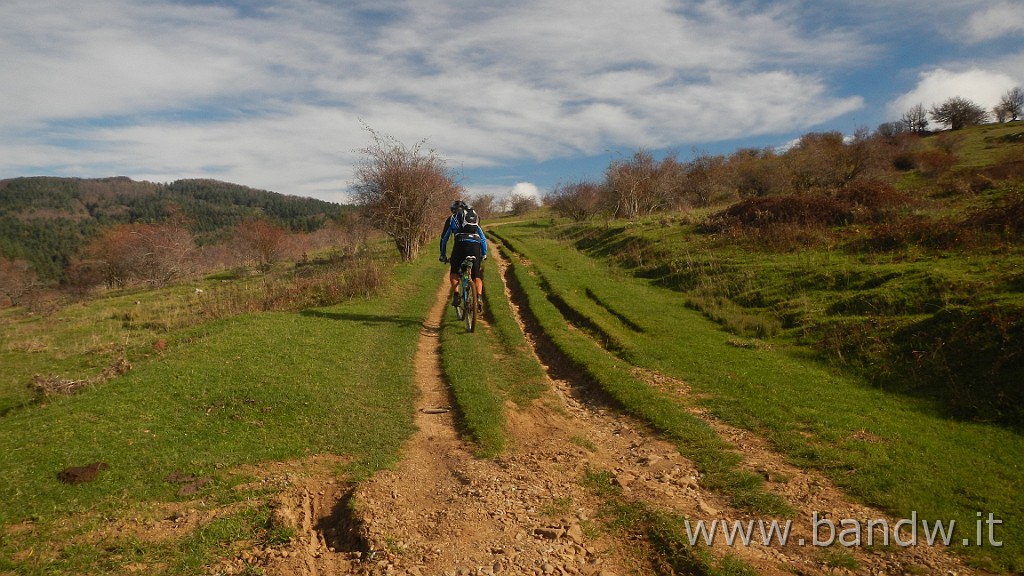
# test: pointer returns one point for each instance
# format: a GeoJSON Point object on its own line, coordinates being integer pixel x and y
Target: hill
{"type": "Point", "coordinates": [46, 220]}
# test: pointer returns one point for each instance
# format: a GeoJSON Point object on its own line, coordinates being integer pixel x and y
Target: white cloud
{"type": "Point", "coordinates": [525, 189]}
{"type": "Point", "coordinates": [273, 97]}
{"type": "Point", "coordinates": [984, 87]}
{"type": "Point", "coordinates": [995, 21]}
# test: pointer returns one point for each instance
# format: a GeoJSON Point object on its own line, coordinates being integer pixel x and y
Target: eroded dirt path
{"type": "Point", "coordinates": [444, 512]}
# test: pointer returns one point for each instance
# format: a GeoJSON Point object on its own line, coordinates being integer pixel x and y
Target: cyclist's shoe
{"type": "Point", "coordinates": [479, 307]}
{"type": "Point", "coordinates": [456, 301]}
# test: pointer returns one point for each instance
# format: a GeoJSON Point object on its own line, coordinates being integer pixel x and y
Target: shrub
{"type": "Point", "coordinates": [1005, 218]}
{"type": "Point", "coordinates": [914, 230]}
{"type": "Point", "coordinates": [974, 357]}
{"type": "Point", "coordinates": [935, 162]}
{"type": "Point", "coordinates": [806, 210]}
{"type": "Point", "coordinates": [874, 198]}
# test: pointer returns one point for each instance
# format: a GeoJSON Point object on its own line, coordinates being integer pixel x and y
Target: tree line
{"type": "Point", "coordinates": [642, 184]}
{"type": "Point", "coordinates": [76, 233]}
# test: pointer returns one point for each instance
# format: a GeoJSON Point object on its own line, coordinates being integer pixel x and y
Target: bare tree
{"type": "Point", "coordinates": [1010, 106]}
{"type": "Point", "coordinates": [485, 205]}
{"type": "Point", "coordinates": [404, 191]}
{"type": "Point", "coordinates": [754, 172]}
{"type": "Point", "coordinates": [641, 185]}
{"type": "Point", "coordinates": [705, 179]}
{"type": "Point", "coordinates": [519, 204]}
{"type": "Point", "coordinates": [916, 119]}
{"type": "Point", "coordinates": [261, 241]}
{"type": "Point", "coordinates": [153, 254]}
{"type": "Point", "coordinates": [958, 112]}
{"type": "Point", "coordinates": [17, 279]}
{"type": "Point", "coordinates": [577, 200]}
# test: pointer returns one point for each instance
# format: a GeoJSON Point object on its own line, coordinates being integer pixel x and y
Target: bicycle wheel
{"type": "Point", "coordinates": [470, 304]}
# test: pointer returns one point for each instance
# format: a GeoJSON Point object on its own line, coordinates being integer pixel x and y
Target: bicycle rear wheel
{"type": "Point", "coordinates": [470, 303]}
{"type": "Point", "coordinates": [460, 310]}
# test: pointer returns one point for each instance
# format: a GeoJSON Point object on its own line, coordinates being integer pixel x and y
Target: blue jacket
{"type": "Point", "coordinates": [451, 228]}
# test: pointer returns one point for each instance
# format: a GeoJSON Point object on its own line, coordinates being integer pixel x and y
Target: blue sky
{"type": "Point", "coordinates": [520, 95]}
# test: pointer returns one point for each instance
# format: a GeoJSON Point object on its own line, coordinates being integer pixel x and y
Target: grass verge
{"type": "Point", "coordinates": [250, 389]}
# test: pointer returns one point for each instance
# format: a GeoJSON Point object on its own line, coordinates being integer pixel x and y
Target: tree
{"type": "Point", "coordinates": [916, 119]}
{"type": "Point", "coordinates": [154, 254]}
{"type": "Point", "coordinates": [577, 200]}
{"type": "Point", "coordinates": [262, 241]}
{"type": "Point", "coordinates": [485, 205]}
{"type": "Point", "coordinates": [705, 178]}
{"type": "Point", "coordinates": [892, 130]}
{"type": "Point", "coordinates": [16, 279]}
{"type": "Point", "coordinates": [641, 185]}
{"type": "Point", "coordinates": [755, 172]}
{"type": "Point", "coordinates": [404, 191]}
{"type": "Point", "coordinates": [1010, 105]}
{"type": "Point", "coordinates": [519, 204]}
{"type": "Point", "coordinates": [958, 112]}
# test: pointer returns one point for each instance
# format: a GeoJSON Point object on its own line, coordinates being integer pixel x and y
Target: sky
{"type": "Point", "coordinates": [520, 96]}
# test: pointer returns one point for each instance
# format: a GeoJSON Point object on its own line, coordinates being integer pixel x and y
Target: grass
{"type": "Point", "coordinates": [915, 458]}
{"type": "Point", "coordinates": [659, 534]}
{"type": "Point", "coordinates": [275, 386]}
{"type": "Point", "coordinates": [468, 363]}
{"type": "Point", "coordinates": [615, 376]}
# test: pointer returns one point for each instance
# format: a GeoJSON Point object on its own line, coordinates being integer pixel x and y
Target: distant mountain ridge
{"type": "Point", "coordinates": [46, 220]}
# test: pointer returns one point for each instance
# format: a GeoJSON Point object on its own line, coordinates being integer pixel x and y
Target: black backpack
{"type": "Point", "coordinates": [470, 218]}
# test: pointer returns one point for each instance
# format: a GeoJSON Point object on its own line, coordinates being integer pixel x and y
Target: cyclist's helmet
{"type": "Point", "coordinates": [458, 204]}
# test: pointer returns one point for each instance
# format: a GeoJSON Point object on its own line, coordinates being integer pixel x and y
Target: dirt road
{"type": "Point", "coordinates": [442, 511]}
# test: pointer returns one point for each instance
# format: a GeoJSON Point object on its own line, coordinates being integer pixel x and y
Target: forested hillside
{"type": "Point", "coordinates": [45, 221]}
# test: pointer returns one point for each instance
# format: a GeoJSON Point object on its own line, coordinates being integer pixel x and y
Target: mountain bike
{"type": "Point", "coordinates": [468, 296]}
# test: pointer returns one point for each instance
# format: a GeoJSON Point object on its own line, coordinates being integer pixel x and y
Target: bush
{"type": "Point", "coordinates": [1005, 219]}
{"type": "Point", "coordinates": [935, 162]}
{"type": "Point", "coordinates": [974, 357]}
{"type": "Point", "coordinates": [875, 196]}
{"type": "Point", "coordinates": [807, 210]}
{"type": "Point", "coordinates": [915, 230]}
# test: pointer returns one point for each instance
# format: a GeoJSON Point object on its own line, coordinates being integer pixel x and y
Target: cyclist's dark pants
{"type": "Point", "coordinates": [463, 249]}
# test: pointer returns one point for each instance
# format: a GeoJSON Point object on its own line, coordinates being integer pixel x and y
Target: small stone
{"type": "Point", "coordinates": [575, 532]}
{"type": "Point", "coordinates": [550, 533]}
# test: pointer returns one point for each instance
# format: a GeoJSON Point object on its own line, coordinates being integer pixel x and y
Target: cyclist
{"type": "Point", "coordinates": [464, 225]}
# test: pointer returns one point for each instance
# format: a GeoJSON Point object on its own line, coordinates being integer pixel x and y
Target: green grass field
{"type": "Point", "coordinates": [921, 462]}
{"type": "Point", "coordinates": [252, 388]}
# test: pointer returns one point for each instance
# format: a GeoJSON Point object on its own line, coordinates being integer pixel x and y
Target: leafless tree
{"type": "Point", "coordinates": [577, 200]}
{"type": "Point", "coordinates": [519, 204]}
{"type": "Point", "coordinates": [404, 191]}
{"type": "Point", "coordinates": [641, 185]}
{"type": "Point", "coordinates": [958, 112]}
{"type": "Point", "coordinates": [916, 119]}
{"type": "Point", "coordinates": [1010, 105]}
{"type": "Point", "coordinates": [153, 254]}
{"type": "Point", "coordinates": [754, 172]}
{"type": "Point", "coordinates": [485, 205]}
{"type": "Point", "coordinates": [260, 241]}
{"type": "Point", "coordinates": [16, 280]}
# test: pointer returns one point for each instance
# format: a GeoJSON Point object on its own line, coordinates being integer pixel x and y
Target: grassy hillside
{"type": "Point", "coordinates": [917, 287]}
